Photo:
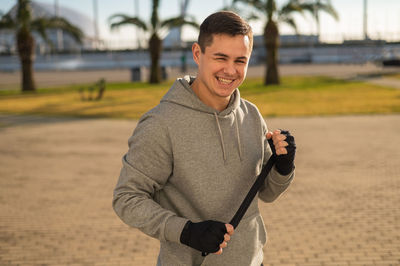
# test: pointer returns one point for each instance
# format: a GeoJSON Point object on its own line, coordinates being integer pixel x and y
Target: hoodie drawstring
{"type": "Point", "coordinates": [238, 137]}
{"type": "Point", "coordinates": [222, 138]}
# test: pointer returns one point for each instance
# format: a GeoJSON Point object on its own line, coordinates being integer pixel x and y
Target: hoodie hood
{"type": "Point", "coordinates": [181, 93]}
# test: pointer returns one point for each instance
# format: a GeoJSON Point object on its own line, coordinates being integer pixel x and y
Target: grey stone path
{"type": "Point", "coordinates": [57, 177]}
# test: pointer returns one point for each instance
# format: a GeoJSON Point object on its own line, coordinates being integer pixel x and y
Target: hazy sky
{"type": "Point", "coordinates": [383, 17]}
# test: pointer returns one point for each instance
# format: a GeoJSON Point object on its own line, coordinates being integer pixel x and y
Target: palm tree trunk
{"type": "Point", "coordinates": [26, 44]}
{"type": "Point", "coordinates": [271, 39]}
{"type": "Point", "coordinates": [155, 47]}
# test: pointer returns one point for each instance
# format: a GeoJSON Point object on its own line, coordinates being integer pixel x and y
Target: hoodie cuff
{"type": "Point", "coordinates": [174, 227]}
{"type": "Point", "coordinates": [281, 180]}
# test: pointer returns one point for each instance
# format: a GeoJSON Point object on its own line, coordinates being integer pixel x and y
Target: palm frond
{"type": "Point", "coordinates": [314, 7]}
{"type": "Point", "coordinates": [178, 22]}
{"type": "Point", "coordinates": [7, 22]}
{"type": "Point", "coordinates": [290, 7]}
{"type": "Point", "coordinates": [257, 4]}
{"type": "Point", "coordinates": [258, 9]}
{"type": "Point", "coordinates": [291, 22]}
{"type": "Point", "coordinates": [329, 9]}
{"type": "Point", "coordinates": [252, 16]}
{"type": "Point", "coordinates": [122, 19]}
{"type": "Point", "coordinates": [42, 24]}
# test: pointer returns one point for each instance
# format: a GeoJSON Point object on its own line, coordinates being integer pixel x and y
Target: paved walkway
{"type": "Point", "coordinates": [57, 178]}
{"type": "Point", "coordinates": [385, 81]}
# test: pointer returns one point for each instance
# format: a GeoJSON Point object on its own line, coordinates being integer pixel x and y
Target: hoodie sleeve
{"type": "Point", "coordinates": [275, 184]}
{"type": "Point", "coordinates": [146, 168]}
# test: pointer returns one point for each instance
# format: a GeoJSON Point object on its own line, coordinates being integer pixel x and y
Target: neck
{"type": "Point", "coordinates": [217, 103]}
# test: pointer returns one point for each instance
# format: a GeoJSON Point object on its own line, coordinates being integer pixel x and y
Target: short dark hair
{"type": "Point", "coordinates": [223, 22]}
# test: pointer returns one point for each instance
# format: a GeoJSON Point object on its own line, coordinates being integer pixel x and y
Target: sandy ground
{"type": "Point", "coordinates": [11, 80]}
{"type": "Point", "coordinates": [57, 177]}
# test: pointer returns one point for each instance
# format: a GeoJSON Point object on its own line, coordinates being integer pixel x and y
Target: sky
{"type": "Point", "coordinates": [383, 18]}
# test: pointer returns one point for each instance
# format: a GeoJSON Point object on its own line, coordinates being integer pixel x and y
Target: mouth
{"type": "Point", "coordinates": [225, 81]}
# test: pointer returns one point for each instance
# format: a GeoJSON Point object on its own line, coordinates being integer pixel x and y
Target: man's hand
{"type": "Point", "coordinates": [284, 147]}
{"type": "Point", "coordinates": [207, 236]}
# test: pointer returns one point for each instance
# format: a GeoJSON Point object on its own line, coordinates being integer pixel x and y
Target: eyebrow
{"type": "Point", "coordinates": [226, 56]}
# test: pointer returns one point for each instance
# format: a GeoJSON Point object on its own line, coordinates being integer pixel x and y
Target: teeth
{"type": "Point", "coordinates": [226, 81]}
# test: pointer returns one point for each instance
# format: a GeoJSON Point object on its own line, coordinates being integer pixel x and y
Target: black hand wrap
{"type": "Point", "coordinates": [204, 236]}
{"type": "Point", "coordinates": [285, 162]}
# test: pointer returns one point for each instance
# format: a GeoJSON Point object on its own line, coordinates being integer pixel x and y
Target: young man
{"type": "Point", "coordinates": [193, 158]}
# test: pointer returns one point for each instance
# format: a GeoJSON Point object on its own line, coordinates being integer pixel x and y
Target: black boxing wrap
{"type": "Point", "coordinates": [204, 236]}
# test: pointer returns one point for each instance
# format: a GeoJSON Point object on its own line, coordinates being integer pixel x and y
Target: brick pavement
{"type": "Point", "coordinates": [57, 177]}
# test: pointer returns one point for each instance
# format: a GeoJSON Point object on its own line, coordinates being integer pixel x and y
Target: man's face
{"type": "Point", "coordinates": [223, 65]}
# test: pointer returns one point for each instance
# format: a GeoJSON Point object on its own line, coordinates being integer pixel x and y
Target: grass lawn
{"type": "Point", "coordinates": [297, 96]}
{"type": "Point", "coordinates": [396, 76]}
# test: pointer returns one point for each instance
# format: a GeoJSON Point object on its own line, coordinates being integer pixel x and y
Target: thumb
{"type": "Point", "coordinates": [269, 135]}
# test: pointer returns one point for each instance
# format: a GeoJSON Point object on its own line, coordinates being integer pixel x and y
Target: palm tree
{"type": "Point", "coordinates": [274, 16]}
{"type": "Point", "coordinates": [24, 25]}
{"type": "Point", "coordinates": [154, 27]}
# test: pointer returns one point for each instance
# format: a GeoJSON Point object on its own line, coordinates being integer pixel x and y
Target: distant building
{"type": "Point", "coordinates": [289, 40]}
{"type": "Point", "coordinates": [86, 24]}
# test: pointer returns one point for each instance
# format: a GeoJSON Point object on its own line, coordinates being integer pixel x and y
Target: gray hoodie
{"type": "Point", "coordinates": [187, 161]}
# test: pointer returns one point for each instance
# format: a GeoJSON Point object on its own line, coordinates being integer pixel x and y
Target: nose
{"type": "Point", "coordinates": [229, 69]}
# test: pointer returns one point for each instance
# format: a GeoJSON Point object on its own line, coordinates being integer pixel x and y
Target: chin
{"type": "Point", "coordinates": [225, 92]}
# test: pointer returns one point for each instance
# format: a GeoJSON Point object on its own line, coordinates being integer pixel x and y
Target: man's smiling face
{"type": "Point", "coordinates": [223, 66]}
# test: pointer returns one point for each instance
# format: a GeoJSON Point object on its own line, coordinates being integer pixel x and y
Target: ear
{"type": "Point", "coordinates": [196, 51]}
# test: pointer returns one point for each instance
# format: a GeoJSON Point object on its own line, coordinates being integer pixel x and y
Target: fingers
{"type": "Point", "coordinates": [223, 245]}
{"type": "Point", "coordinates": [279, 141]}
{"type": "Point", "coordinates": [280, 147]}
{"type": "Point", "coordinates": [271, 134]}
{"type": "Point", "coordinates": [230, 230]}
{"type": "Point", "coordinates": [275, 135]}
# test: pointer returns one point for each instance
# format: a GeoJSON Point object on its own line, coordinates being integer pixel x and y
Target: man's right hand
{"type": "Point", "coordinates": [207, 236]}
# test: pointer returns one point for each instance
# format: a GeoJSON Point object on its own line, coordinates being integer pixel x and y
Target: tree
{"type": "Point", "coordinates": [275, 15]}
{"type": "Point", "coordinates": [23, 24]}
{"type": "Point", "coordinates": [154, 28]}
